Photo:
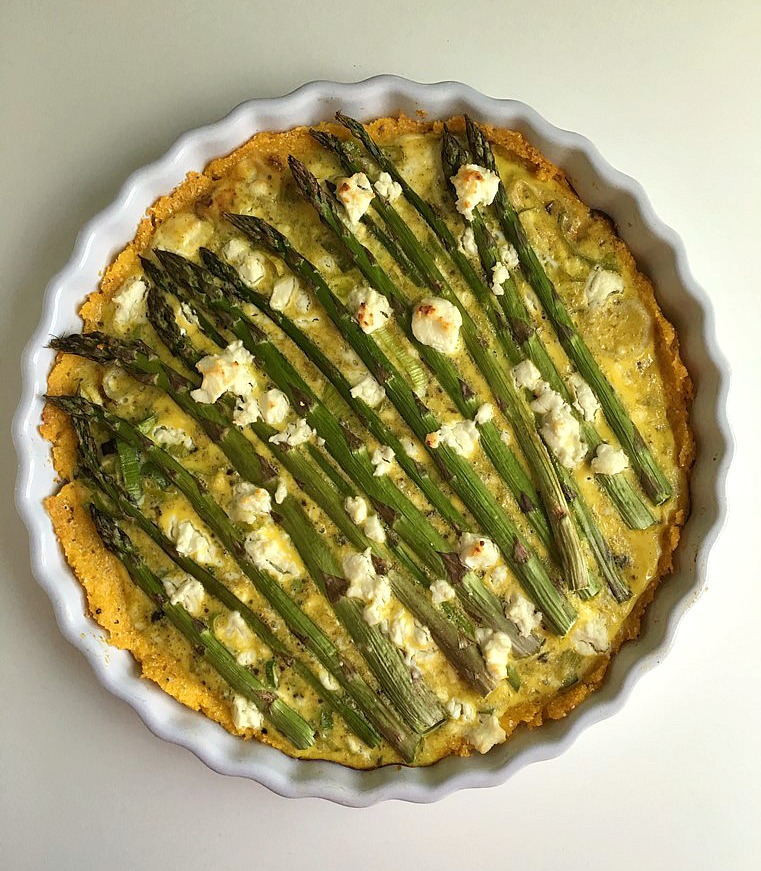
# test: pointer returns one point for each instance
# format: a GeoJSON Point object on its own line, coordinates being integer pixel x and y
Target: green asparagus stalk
{"type": "Point", "coordinates": [396, 732]}
{"type": "Point", "coordinates": [653, 481]}
{"type": "Point", "coordinates": [284, 718]}
{"type": "Point", "coordinates": [491, 516]}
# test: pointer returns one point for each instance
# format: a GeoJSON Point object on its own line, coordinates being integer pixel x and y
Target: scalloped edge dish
{"type": "Point", "coordinates": [659, 253]}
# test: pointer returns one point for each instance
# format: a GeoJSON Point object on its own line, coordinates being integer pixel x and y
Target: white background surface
{"type": "Point", "coordinates": [91, 91]}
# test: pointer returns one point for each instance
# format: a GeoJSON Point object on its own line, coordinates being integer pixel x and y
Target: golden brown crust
{"type": "Point", "coordinates": [102, 575]}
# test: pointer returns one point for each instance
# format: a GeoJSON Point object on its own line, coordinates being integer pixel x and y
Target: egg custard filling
{"type": "Point", "coordinates": [375, 443]}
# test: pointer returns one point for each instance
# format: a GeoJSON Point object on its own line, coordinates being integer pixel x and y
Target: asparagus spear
{"type": "Point", "coordinates": [653, 481]}
{"type": "Point", "coordinates": [284, 718]}
{"type": "Point", "coordinates": [461, 653]}
{"type": "Point", "coordinates": [483, 352]}
{"type": "Point", "coordinates": [396, 731]}
{"type": "Point", "coordinates": [491, 516]}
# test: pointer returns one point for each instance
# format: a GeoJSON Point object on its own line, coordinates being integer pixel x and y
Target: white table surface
{"type": "Point", "coordinates": [669, 92]}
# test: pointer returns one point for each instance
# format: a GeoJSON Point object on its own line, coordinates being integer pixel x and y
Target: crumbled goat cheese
{"type": "Point", "coordinates": [382, 458]}
{"type": "Point", "coordinates": [371, 309]}
{"type": "Point", "coordinates": [355, 194]}
{"type": "Point", "coordinates": [457, 710]}
{"type": "Point", "coordinates": [281, 492]}
{"type": "Point", "coordinates": [250, 264]}
{"type": "Point", "coordinates": [374, 530]}
{"type": "Point", "coordinates": [189, 541]}
{"type": "Point", "coordinates": [327, 679]}
{"type": "Point", "coordinates": [183, 234]}
{"type": "Point", "coordinates": [249, 502]}
{"type": "Point", "coordinates": [359, 571]}
{"type": "Point", "coordinates": [496, 648]}
{"type": "Point", "coordinates": [261, 187]}
{"type": "Point", "coordinates": [365, 584]}
{"type": "Point", "coordinates": [474, 186]}
{"type": "Point", "coordinates": [325, 263]}
{"type": "Point", "coordinates": [436, 323]}
{"type": "Point", "coordinates": [282, 291]}
{"type": "Point", "coordinates": [411, 448]}
{"type": "Point", "coordinates": [246, 410]}
{"type": "Point", "coordinates": [369, 391]}
{"type": "Point", "coordinates": [509, 256]}
{"type": "Point", "coordinates": [172, 437]}
{"type": "Point", "coordinates": [487, 733]}
{"type": "Point", "coordinates": [269, 549]}
{"type": "Point", "coordinates": [441, 591]}
{"type": "Point", "coordinates": [477, 552]}
{"type": "Point", "coordinates": [228, 372]}
{"type": "Point", "coordinates": [356, 508]}
{"type": "Point", "coordinates": [526, 375]}
{"type": "Point", "coordinates": [498, 574]}
{"type": "Point", "coordinates": [356, 747]}
{"type": "Point", "coordinates": [601, 283]}
{"type": "Point", "coordinates": [246, 658]}
{"type": "Point", "coordinates": [185, 591]}
{"type": "Point", "coordinates": [234, 629]}
{"type": "Point", "coordinates": [294, 434]}
{"type": "Point", "coordinates": [129, 305]}
{"type": "Point", "coordinates": [388, 188]}
{"type": "Point", "coordinates": [499, 274]}
{"type": "Point", "coordinates": [585, 402]}
{"type": "Point", "coordinates": [273, 406]}
{"type": "Point", "coordinates": [523, 613]}
{"type": "Point", "coordinates": [560, 429]}
{"type": "Point", "coordinates": [590, 637]}
{"type": "Point", "coordinates": [302, 303]}
{"type": "Point", "coordinates": [408, 634]}
{"type": "Point", "coordinates": [485, 413]}
{"type": "Point", "coordinates": [468, 242]}
{"type": "Point", "coordinates": [462, 436]}
{"type": "Point", "coordinates": [245, 714]}
{"type": "Point", "coordinates": [609, 460]}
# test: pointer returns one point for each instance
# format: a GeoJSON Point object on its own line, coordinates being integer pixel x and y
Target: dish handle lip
{"type": "Point", "coordinates": [657, 248]}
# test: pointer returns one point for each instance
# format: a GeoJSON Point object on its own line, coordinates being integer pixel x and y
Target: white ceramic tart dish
{"type": "Point", "coordinates": [659, 255]}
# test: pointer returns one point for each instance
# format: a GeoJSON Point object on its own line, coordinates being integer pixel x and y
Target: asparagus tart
{"type": "Point", "coordinates": [375, 443]}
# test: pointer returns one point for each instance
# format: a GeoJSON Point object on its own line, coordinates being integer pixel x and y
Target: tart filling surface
{"type": "Point", "coordinates": [375, 444]}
